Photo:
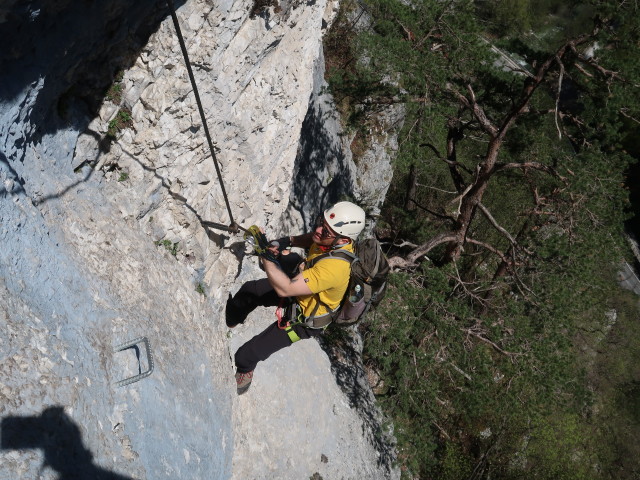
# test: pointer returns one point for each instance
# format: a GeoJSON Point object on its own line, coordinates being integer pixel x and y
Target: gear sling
{"type": "Point", "coordinates": [290, 315]}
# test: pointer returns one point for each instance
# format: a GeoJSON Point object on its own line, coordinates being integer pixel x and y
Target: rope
{"type": "Point", "coordinates": [233, 226]}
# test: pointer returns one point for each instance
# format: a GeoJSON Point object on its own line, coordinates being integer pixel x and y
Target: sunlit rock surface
{"type": "Point", "coordinates": [103, 242]}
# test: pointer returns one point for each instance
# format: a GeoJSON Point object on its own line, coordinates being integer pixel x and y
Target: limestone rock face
{"type": "Point", "coordinates": [255, 77]}
{"type": "Point", "coordinates": [102, 201]}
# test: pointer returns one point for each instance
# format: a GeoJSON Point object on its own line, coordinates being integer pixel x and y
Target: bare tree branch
{"type": "Point", "coordinates": [442, 430]}
{"type": "Point", "coordinates": [471, 195]}
{"type": "Point", "coordinates": [491, 248]}
{"type": "Point", "coordinates": [455, 134]}
{"type": "Point", "coordinates": [476, 109]}
{"type": "Point", "coordinates": [410, 36]}
{"type": "Point", "coordinates": [470, 331]}
{"type": "Point", "coordinates": [534, 165]}
{"type": "Point", "coordinates": [398, 263]}
{"type": "Point", "coordinates": [463, 285]}
{"type": "Point", "coordinates": [558, 95]}
{"type": "Point", "coordinates": [402, 244]}
{"type": "Point", "coordinates": [591, 62]}
{"type": "Point", "coordinates": [434, 149]}
{"type": "Point", "coordinates": [460, 197]}
{"type": "Point", "coordinates": [583, 70]}
{"type": "Point", "coordinates": [430, 245]}
{"type": "Point", "coordinates": [493, 222]}
{"type": "Point", "coordinates": [624, 113]}
{"type": "Point", "coordinates": [533, 84]}
{"type": "Point", "coordinates": [435, 214]}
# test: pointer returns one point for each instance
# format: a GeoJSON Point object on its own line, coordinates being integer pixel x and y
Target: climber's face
{"type": "Point", "coordinates": [323, 235]}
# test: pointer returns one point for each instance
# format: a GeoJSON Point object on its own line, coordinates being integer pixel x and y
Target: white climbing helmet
{"type": "Point", "coordinates": [346, 219]}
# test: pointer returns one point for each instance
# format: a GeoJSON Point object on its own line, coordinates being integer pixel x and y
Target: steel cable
{"type": "Point", "coordinates": [233, 226]}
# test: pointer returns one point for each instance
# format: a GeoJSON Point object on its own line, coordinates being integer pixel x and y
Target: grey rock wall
{"type": "Point", "coordinates": [325, 170]}
{"type": "Point", "coordinates": [83, 267]}
{"type": "Point", "coordinates": [79, 278]}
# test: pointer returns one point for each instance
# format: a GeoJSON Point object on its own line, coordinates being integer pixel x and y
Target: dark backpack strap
{"type": "Point", "coordinates": [341, 254]}
{"type": "Point", "coordinates": [322, 321]}
{"type": "Point", "coordinates": [375, 269]}
{"type": "Point", "coordinates": [372, 244]}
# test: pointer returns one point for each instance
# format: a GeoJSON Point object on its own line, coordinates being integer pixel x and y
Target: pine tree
{"type": "Point", "coordinates": [510, 179]}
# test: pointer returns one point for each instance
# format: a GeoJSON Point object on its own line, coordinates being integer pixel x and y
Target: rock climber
{"type": "Point", "coordinates": [307, 294]}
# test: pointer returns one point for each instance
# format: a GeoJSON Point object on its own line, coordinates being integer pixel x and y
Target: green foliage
{"type": "Point", "coordinates": [123, 176]}
{"type": "Point", "coordinates": [171, 247]}
{"type": "Point", "coordinates": [506, 370]}
{"type": "Point", "coordinates": [200, 289]}
{"type": "Point", "coordinates": [114, 93]}
{"type": "Point", "coordinates": [557, 448]}
{"type": "Point", "coordinates": [454, 463]}
{"type": "Point", "coordinates": [522, 398]}
{"type": "Point", "coordinates": [121, 121]}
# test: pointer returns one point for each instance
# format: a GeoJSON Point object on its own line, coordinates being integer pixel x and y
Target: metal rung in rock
{"type": "Point", "coordinates": [140, 376]}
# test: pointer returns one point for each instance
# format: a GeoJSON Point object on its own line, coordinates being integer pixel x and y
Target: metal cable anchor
{"type": "Point", "coordinates": [140, 376]}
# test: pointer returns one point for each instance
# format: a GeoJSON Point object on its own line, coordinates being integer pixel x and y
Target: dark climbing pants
{"type": "Point", "coordinates": [251, 295]}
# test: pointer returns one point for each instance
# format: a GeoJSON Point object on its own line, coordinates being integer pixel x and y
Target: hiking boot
{"type": "Point", "coordinates": [243, 381]}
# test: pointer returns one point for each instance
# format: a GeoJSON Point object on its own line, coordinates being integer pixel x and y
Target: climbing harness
{"type": "Point", "coordinates": [323, 321]}
{"type": "Point", "coordinates": [291, 315]}
{"type": "Point", "coordinates": [288, 317]}
{"type": "Point", "coordinates": [140, 376]}
{"type": "Point", "coordinates": [233, 227]}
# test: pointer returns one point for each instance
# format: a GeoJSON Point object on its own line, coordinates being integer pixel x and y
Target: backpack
{"type": "Point", "coordinates": [367, 282]}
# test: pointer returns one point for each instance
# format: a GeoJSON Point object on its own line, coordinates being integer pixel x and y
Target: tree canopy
{"type": "Point", "coordinates": [507, 209]}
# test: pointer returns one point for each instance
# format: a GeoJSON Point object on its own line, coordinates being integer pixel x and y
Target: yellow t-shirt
{"type": "Point", "coordinates": [328, 278]}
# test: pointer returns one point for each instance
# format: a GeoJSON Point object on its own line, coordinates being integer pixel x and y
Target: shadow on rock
{"type": "Point", "coordinates": [344, 349]}
{"type": "Point", "coordinates": [320, 177]}
{"type": "Point", "coordinates": [60, 440]}
{"type": "Point", "coordinates": [73, 50]}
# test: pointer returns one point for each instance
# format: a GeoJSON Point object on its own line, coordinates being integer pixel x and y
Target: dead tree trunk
{"type": "Point", "coordinates": [471, 195]}
{"type": "Point", "coordinates": [409, 204]}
